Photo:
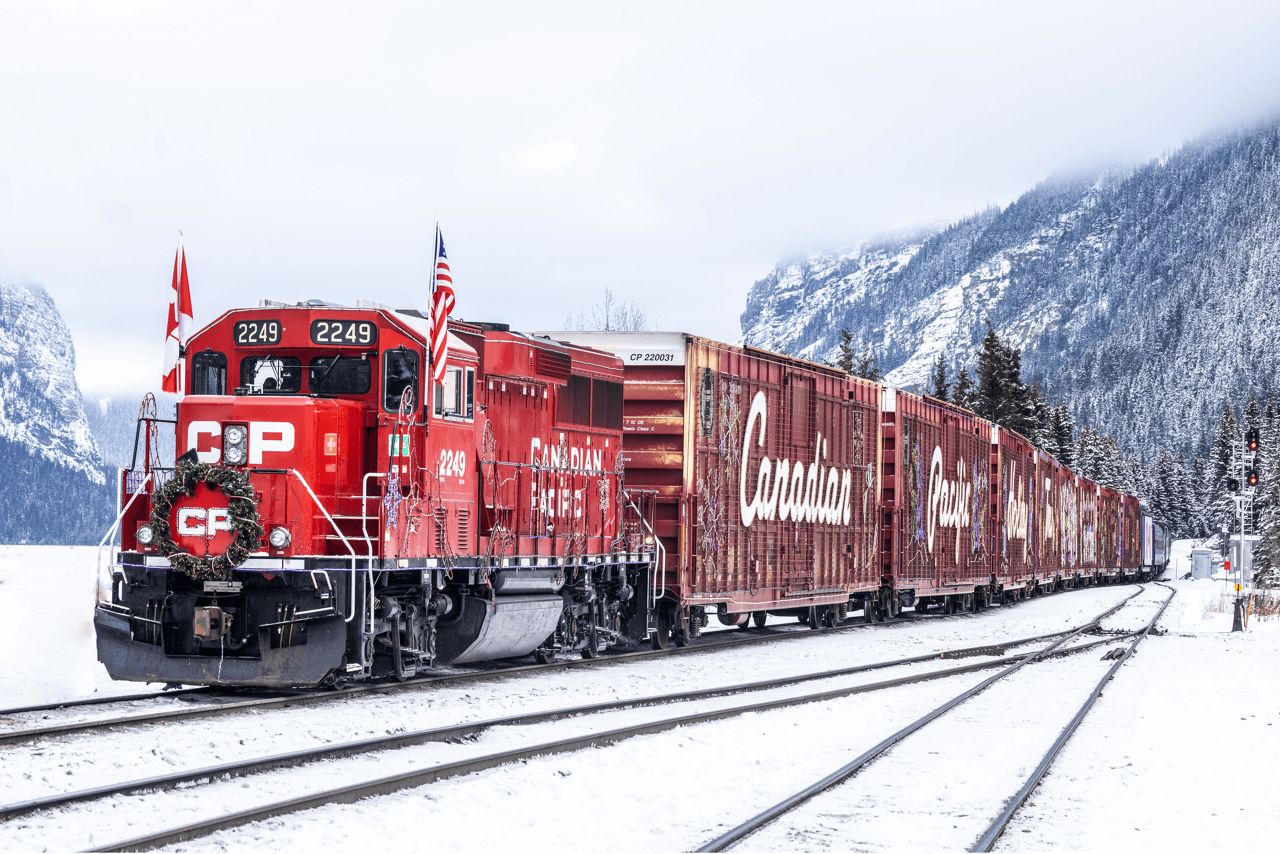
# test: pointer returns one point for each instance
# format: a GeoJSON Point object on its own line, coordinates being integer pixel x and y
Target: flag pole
{"type": "Point", "coordinates": [431, 307]}
{"type": "Point", "coordinates": [182, 368]}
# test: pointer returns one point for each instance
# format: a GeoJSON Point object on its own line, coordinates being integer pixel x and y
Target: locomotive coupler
{"type": "Point", "coordinates": [210, 623]}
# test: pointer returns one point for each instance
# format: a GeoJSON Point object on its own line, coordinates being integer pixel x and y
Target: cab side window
{"type": "Point", "coordinates": [455, 397]}
{"type": "Point", "coordinates": [209, 372]}
{"type": "Point", "coordinates": [400, 371]}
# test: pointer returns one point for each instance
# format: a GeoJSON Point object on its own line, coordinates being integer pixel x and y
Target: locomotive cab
{"type": "Point", "coordinates": [334, 515]}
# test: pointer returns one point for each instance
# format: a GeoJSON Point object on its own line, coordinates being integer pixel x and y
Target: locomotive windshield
{"type": "Point", "coordinates": [270, 375]}
{"type": "Point", "coordinates": [340, 375]}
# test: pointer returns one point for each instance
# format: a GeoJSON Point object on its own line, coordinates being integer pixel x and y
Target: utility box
{"type": "Point", "coordinates": [1246, 558]}
{"type": "Point", "coordinates": [1202, 562]}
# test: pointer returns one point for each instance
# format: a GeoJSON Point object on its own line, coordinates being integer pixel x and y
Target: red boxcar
{"type": "Point", "coordinates": [1109, 517]}
{"type": "Point", "coordinates": [766, 473]}
{"type": "Point", "coordinates": [1068, 495]}
{"type": "Point", "coordinates": [1048, 503]}
{"type": "Point", "coordinates": [1088, 493]}
{"type": "Point", "coordinates": [936, 500]}
{"type": "Point", "coordinates": [1130, 537]}
{"type": "Point", "coordinates": [1014, 510]}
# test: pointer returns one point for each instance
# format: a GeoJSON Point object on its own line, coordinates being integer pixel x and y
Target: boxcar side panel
{"type": "Point", "coordinates": [939, 502]}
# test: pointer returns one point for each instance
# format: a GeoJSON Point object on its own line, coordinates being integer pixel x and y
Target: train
{"type": "Point", "coordinates": [332, 515]}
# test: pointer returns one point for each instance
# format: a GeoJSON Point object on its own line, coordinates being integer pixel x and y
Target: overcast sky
{"type": "Point", "coordinates": [673, 152]}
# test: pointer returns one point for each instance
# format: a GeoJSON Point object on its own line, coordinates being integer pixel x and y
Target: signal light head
{"type": "Point", "coordinates": [1251, 440]}
{"type": "Point", "coordinates": [1233, 485]}
{"type": "Point", "coordinates": [1252, 477]}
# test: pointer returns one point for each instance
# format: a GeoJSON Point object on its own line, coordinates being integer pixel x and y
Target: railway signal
{"type": "Point", "coordinates": [1233, 484]}
{"type": "Point", "coordinates": [1251, 440]}
{"type": "Point", "coordinates": [1252, 477]}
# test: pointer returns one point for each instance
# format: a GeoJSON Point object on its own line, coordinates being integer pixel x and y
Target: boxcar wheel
{"type": "Point", "coordinates": [543, 656]}
{"type": "Point", "coordinates": [815, 618]}
{"type": "Point", "coordinates": [760, 618]}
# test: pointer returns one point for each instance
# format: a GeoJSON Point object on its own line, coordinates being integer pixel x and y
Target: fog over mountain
{"type": "Point", "coordinates": [1142, 298]}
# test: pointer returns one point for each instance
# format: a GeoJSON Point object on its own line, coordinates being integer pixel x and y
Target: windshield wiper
{"type": "Point", "coordinates": [325, 375]}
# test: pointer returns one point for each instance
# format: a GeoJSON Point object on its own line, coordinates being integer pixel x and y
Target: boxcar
{"type": "Point", "coordinates": [1110, 515]}
{"type": "Point", "coordinates": [1129, 537]}
{"type": "Point", "coordinates": [1088, 492]}
{"type": "Point", "coordinates": [1014, 511]}
{"type": "Point", "coordinates": [766, 473]}
{"type": "Point", "coordinates": [1049, 479]}
{"type": "Point", "coordinates": [936, 502]}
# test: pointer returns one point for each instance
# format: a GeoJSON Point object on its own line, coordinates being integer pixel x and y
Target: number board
{"type": "Point", "coordinates": [248, 333]}
{"type": "Point", "coordinates": [352, 333]}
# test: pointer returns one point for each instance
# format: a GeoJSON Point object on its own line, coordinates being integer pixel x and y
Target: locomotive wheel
{"type": "Point", "coordinates": [592, 649]}
{"type": "Point", "coordinates": [760, 618]}
{"type": "Point", "coordinates": [922, 606]}
{"type": "Point", "coordinates": [543, 656]}
{"type": "Point", "coordinates": [661, 636]}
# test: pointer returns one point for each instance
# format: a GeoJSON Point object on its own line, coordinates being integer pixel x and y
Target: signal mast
{"type": "Point", "coordinates": [1244, 486]}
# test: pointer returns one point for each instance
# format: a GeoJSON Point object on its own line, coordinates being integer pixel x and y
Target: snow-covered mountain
{"type": "Point", "coordinates": [54, 488]}
{"type": "Point", "coordinates": [1143, 299]}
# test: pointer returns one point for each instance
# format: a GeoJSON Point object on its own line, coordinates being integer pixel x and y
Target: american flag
{"type": "Point", "coordinates": [179, 325]}
{"type": "Point", "coordinates": [442, 302]}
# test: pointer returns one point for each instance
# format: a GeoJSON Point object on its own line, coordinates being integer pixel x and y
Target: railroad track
{"type": "Point", "coordinates": [1011, 806]}
{"type": "Point", "coordinates": [228, 701]}
{"type": "Point", "coordinates": [222, 703]}
{"type": "Point", "coordinates": [446, 770]}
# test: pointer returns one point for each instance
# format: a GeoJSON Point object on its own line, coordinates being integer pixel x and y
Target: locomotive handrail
{"type": "Point", "coordinates": [364, 513]}
{"type": "Point", "coordinates": [350, 548]}
{"type": "Point", "coordinates": [111, 532]}
{"type": "Point", "coordinates": [660, 553]}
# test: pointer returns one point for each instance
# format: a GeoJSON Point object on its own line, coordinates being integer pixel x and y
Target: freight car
{"type": "Point", "coordinates": [332, 516]}
{"type": "Point", "coordinates": [766, 473]}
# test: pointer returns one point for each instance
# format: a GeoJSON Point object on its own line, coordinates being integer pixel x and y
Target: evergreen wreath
{"type": "Point", "coordinates": [242, 509]}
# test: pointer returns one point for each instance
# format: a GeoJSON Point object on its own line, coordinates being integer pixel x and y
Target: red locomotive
{"type": "Point", "coordinates": [333, 516]}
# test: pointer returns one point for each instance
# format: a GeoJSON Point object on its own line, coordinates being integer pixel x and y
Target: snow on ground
{"type": "Point", "coordinates": [47, 596]}
{"type": "Point", "coordinates": [675, 790]}
{"type": "Point", "coordinates": [1181, 752]}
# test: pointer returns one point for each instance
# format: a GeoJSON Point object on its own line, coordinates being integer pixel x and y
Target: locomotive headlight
{"type": "Point", "coordinates": [234, 444]}
{"type": "Point", "coordinates": [280, 538]}
{"type": "Point", "coordinates": [146, 535]}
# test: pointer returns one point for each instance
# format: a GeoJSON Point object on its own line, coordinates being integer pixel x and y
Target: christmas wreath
{"type": "Point", "coordinates": [242, 509]}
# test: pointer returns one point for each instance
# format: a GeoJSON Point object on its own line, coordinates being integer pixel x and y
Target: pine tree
{"type": "Point", "coordinates": [866, 367]}
{"type": "Point", "coordinates": [1064, 439]}
{"type": "Point", "coordinates": [1040, 421]}
{"type": "Point", "coordinates": [938, 383]}
{"type": "Point", "coordinates": [845, 360]}
{"type": "Point", "coordinates": [962, 391]}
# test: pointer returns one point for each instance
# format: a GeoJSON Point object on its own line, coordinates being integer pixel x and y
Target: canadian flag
{"type": "Point", "coordinates": [180, 320]}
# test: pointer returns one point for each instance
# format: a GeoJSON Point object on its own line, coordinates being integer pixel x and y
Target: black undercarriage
{"type": "Point", "coordinates": [323, 622]}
